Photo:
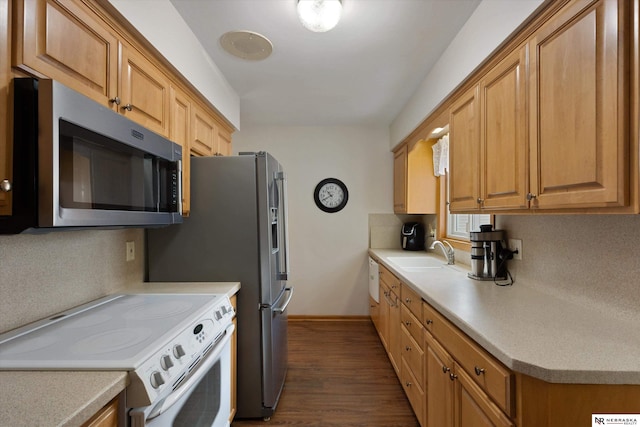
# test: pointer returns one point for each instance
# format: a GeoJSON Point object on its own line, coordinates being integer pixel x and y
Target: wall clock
{"type": "Point", "coordinates": [331, 195]}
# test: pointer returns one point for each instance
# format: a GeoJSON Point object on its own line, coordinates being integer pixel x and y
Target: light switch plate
{"type": "Point", "coordinates": [131, 251]}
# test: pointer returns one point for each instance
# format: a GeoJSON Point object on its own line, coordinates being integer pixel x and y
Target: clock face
{"type": "Point", "coordinates": [331, 195]}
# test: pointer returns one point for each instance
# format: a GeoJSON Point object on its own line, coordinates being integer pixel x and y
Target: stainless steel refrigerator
{"type": "Point", "coordinates": [237, 231]}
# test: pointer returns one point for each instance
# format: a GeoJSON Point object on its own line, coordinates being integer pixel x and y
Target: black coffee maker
{"type": "Point", "coordinates": [412, 236]}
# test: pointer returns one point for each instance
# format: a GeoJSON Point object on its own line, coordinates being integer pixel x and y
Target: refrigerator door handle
{"type": "Point", "coordinates": [286, 303]}
{"type": "Point", "coordinates": [283, 270]}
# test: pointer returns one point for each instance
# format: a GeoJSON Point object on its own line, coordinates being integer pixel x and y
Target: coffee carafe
{"type": "Point", "coordinates": [488, 260]}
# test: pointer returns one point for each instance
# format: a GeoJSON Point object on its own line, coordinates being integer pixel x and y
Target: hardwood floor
{"type": "Point", "coordinates": [339, 376]}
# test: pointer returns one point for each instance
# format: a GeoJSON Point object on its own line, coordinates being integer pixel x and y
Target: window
{"type": "Point", "coordinates": [459, 225]}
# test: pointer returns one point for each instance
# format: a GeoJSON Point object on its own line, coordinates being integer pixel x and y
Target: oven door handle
{"type": "Point", "coordinates": [197, 375]}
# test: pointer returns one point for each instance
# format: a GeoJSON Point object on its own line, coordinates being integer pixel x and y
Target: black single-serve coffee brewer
{"type": "Point", "coordinates": [489, 254]}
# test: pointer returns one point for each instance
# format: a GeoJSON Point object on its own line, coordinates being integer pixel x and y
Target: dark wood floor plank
{"type": "Point", "coordinates": [339, 376]}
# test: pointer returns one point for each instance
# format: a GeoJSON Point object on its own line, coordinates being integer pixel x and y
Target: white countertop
{"type": "Point", "coordinates": [69, 398]}
{"type": "Point", "coordinates": [530, 332]}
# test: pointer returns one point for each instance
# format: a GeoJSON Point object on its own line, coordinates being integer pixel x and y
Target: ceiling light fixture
{"type": "Point", "coordinates": [319, 15]}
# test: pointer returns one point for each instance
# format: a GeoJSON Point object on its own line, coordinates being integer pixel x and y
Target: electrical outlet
{"type": "Point", "coordinates": [131, 251]}
{"type": "Point", "coordinates": [516, 245]}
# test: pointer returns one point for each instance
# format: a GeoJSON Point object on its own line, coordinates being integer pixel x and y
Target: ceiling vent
{"type": "Point", "coordinates": [246, 45]}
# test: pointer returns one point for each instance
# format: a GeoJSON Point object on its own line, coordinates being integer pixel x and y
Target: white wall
{"type": "Point", "coordinates": [329, 251]}
{"type": "Point", "coordinates": [489, 25]}
{"type": "Point", "coordinates": [177, 43]}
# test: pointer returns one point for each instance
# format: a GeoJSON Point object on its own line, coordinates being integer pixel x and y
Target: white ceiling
{"type": "Point", "coordinates": [360, 73]}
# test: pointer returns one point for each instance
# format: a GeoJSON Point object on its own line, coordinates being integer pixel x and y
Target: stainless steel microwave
{"type": "Point", "coordinates": [77, 163]}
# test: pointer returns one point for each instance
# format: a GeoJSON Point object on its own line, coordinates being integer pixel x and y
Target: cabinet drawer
{"type": "Point", "coordinates": [412, 300]}
{"type": "Point", "coordinates": [389, 279]}
{"type": "Point", "coordinates": [414, 392]}
{"type": "Point", "coordinates": [495, 379]}
{"type": "Point", "coordinates": [413, 355]}
{"type": "Point", "coordinates": [411, 322]}
{"type": "Point", "coordinates": [428, 316]}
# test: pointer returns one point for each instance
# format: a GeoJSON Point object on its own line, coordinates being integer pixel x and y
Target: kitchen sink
{"type": "Point", "coordinates": [416, 264]}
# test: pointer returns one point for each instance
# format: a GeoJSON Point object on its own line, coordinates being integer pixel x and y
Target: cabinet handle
{"type": "Point", "coordinates": [127, 107]}
{"type": "Point", "coordinates": [479, 200]}
{"type": "Point", "coordinates": [408, 384]}
{"type": "Point", "coordinates": [531, 196]}
{"type": "Point", "coordinates": [452, 376]}
{"type": "Point", "coordinates": [429, 321]}
{"type": "Point", "coordinates": [445, 369]}
{"type": "Point", "coordinates": [5, 185]}
{"type": "Point", "coordinates": [115, 100]}
{"type": "Point", "coordinates": [479, 371]}
{"type": "Point", "coordinates": [407, 323]}
{"type": "Point", "coordinates": [407, 300]}
{"type": "Point", "coordinates": [407, 348]}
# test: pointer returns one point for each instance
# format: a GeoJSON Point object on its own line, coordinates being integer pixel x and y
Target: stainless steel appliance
{"type": "Point", "coordinates": [488, 254]}
{"type": "Point", "coordinates": [77, 163]}
{"type": "Point", "coordinates": [237, 231]}
{"type": "Point", "coordinates": [176, 348]}
{"type": "Point", "coordinates": [412, 236]}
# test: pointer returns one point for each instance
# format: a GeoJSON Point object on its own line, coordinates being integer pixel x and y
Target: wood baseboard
{"type": "Point", "coordinates": [305, 318]}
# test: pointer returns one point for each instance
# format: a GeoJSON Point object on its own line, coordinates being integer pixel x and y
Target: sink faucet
{"type": "Point", "coordinates": [448, 252]}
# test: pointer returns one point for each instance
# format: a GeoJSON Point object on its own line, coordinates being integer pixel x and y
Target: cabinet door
{"type": "Point", "coordinates": [144, 91]}
{"type": "Point", "coordinates": [5, 129]}
{"type": "Point", "coordinates": [204, 132]}
{"type": "Point", "coordinates": [223, 142]}
{"type": "Point", "coordinates": [385, 308]}
{"type": "Point", "coordinates": [440, 390]}
{"type": "Point", "coordinates": [65, 41]}
{"type": "Point", "coordinates": [180, 133]}
{"type": "Point", "coordinates": [395, 340]}
{"type": "Point", "coordinates": [578, 114]}
{"type": "Point", "coordinates": [473, 408]}
{"type": "Point", "coordinates": [400, 180]}
{"type": "Point", "coordinates": [374, 312]}
{"type": "Point", "coordinates": [105, 417]}
{"type": "Point", "coordinates": [503, 124]}
{"type": "Point", "coordinates": [464, 152]}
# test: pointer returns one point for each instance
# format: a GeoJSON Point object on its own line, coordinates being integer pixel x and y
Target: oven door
{"type": "Point", "coordinates": [202, 400]}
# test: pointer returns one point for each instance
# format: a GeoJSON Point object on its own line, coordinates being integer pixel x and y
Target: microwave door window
{"type": "Point", "coordinates": [103, 174]}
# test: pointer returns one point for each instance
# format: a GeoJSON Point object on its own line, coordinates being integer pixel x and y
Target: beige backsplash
{"type": "Point", "coordinates": [592, 260]}
{"type": "Point", "coordinates": [44, 274]}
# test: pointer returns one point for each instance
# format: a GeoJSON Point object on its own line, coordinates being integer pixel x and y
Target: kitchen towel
{"type": "Point", "coordinates": [441, 156]}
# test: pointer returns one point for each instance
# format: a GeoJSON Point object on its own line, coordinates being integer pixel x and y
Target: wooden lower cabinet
{"type": "Point", "coordinates": [105, 417]}
{"type": "Point", "coordinates": [453, 398]}
{"type": "Point", "coordinates": [439, 402]}
{"type": "Point", "coordinates": [472, 407]}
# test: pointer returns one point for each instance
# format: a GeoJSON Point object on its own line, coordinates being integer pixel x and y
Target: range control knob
{"type": "Point", "coordinates": [178, 351]}
{"type": "Point", "coordinates": [218, 315]}
{"type": "Point", "coordinates": [166, 362]}
{"type": "Point", "coordinates": [224, 309]}
{"type": "Point", "coordinates": [156, 379]}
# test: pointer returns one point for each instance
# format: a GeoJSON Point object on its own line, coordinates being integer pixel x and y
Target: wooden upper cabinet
{"type": "Point", "coordinates": [464, 152]}
{"type": "Point", "coordinates": [180, 133]}
{"type": "Point", "coordinates": [578, 115]}
{"type": "Point", "coordinates": [400, 180]}
{"type": "Point", "coordinates": [5, 128]}
{"type": "Point", "coordinates": [60, 39]}
{"type": "Point", "coordinates": [223, 142]}
{"type": "Point", "coordinates": [209, 137]}
{"type": "Point", "coordinates": [204, 133]}
{"type": "Point", "coordinates": [414, 184]}
{"type": "Point", "coordinates": [144, 91]}
{"type": "Point", "coordinates": [503, 134]}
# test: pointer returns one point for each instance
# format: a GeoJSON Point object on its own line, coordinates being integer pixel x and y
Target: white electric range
{"type": "Point", "coordinates": [160, 339]}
